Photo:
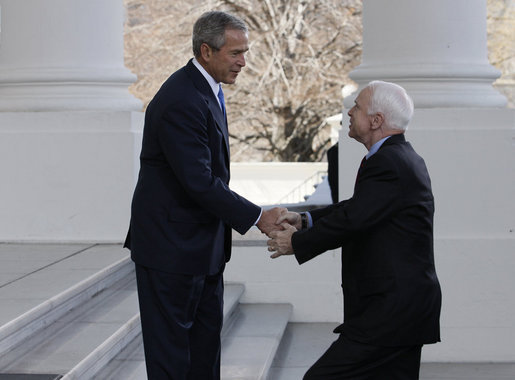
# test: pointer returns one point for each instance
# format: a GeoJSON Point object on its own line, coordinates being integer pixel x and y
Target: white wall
{"type": "Point", "coordinates": [314, 288]}
{"type": "Point", "coordinates": [265, 183]}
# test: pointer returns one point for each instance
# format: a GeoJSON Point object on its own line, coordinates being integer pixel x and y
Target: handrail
{"type": "Point", "coordinates": [301, 192]}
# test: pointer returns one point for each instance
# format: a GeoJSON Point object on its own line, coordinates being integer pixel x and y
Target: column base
{"type": "Point", "coordinates": [469, 153]}
{"type": "Point", "coordinates": [68, 176]}
{"type": "Point", "coordinates": [441, 85]}
{"type": "Point", "coordinates": [50, 89]}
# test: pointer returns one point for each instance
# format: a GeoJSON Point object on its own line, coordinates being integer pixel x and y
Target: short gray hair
{"type": "Point", "coordinates": [392, 101]}
{"type": "Point", "coordinates": [210, 29]}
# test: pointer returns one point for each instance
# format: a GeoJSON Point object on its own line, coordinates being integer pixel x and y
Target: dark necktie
{"type": "Point", "coordinates": [361, 167]}
{"type": "Point", "coordinates": [221, 98]}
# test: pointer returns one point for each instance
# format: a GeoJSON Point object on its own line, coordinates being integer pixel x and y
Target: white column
{"type": "Point", "coordinates": [69, 128]}
{"type": "Point", "coordinates": [435, 49]}
{"type": "Point", "coordinates": [60, 55]}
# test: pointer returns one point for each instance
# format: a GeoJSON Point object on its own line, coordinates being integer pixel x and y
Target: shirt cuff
{"type": "Point", "coordinates": [307, 220]}
{"type": "Point", "coordinates": [310, 219]}
{"type": "Point", "coordinates": [259, 217]}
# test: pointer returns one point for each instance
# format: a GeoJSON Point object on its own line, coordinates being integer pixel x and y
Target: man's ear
{"type": "Point", "coordinates": [377, 120]}
{"type": "Point", "coordinates": [206, 52]}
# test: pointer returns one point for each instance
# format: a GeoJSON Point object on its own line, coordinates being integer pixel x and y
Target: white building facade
{"type": "Point", "coordinates": [70, 137]}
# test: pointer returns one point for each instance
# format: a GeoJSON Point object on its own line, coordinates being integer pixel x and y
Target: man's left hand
{"type": "Point", "coordinates": [280, 241]}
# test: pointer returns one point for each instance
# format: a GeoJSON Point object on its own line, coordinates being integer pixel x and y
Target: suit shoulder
{"type": "Point", "coordinates": [176, 84]}
{"type": "Point", "coordinates": [396, 148]}
{"type": "Point", "coordinates": [178, 89]}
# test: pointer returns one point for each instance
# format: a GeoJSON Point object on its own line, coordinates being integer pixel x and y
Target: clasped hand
{"type": "Point", "coordinates": [279, 224]}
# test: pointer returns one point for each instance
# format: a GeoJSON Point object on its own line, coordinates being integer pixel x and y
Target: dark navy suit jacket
{"type": "Point", "coordinates": [183, 210]}
{"type": "Point", "coordinates": [391, 292]}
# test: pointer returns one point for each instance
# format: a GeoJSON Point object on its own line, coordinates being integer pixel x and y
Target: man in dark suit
{"type": "Point", "coordinates": [183, 210]}
{"type": "Point", "coordinates": [392, 296]}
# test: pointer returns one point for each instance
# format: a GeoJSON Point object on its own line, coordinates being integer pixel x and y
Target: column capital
{"type": "Point", "coordinates": [440, 60]}
{"type": "Point", "coordinates": [60, 55]}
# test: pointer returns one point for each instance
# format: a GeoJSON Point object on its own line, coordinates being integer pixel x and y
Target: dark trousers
{"type": "Point", "coordinates": [346, 359]}
{"type": "Point", "coordinates": [181, 319]}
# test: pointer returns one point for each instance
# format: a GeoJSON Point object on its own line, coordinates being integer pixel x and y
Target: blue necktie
{"type": "Point", "coordinates": [221, 98]}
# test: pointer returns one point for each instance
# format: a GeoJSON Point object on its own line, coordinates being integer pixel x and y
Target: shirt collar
{"type": "Point", "coordinates": [215, 86]}
{"type": "Point", "coordinates": [376, 147]}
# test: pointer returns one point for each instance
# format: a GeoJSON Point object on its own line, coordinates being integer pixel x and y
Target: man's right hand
{"type": "Point", "coordinates": [269, 220]}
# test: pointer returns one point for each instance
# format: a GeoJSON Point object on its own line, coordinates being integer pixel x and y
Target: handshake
{"type": "Point", "coordinates": [279, 224]}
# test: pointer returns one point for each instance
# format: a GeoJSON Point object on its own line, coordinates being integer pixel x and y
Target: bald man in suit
{"type": "Point", "coordinates": [391, 293]}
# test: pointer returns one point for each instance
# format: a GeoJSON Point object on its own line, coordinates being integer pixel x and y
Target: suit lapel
{"type": "Point", "coordinates": [394, 139]}
{"type": "Point", "coordinates": [203, 87]}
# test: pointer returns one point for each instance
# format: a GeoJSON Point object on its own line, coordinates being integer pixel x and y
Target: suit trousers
{"type": "Point", "coordinates": [346, 359]}
{"type": "Point", "coordinates": [181, 319]}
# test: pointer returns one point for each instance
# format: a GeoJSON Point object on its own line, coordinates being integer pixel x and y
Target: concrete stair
{"type": "Point", "coordinates": [250, 339]}
{"type": "Point", "coordinates": [87, 326]}
{"type": "Point", "coordinates": [77, 330]}
{"type": "Point", "coordinates": [250, 345]}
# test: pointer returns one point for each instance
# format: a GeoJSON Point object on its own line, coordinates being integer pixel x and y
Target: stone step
{"type": "Point", "coordinates": [44, 282]}
{"type": "Point", "coordinates": [63, 300]}
{"type": "Point", "coordinates": [91, 336]}
{"type": "Point", "coordinates": [64, 342]}
{"type": "Point", "coordinates": [249, 347]}
{"type": "Point", "coordinates": [86, 325]}
{"type": "Point", "coordinates": [129, 363]}
{"type": "Point", "coordinates": [232, 296]}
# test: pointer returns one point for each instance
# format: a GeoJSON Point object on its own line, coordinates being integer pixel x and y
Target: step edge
{"type": "Point", "coordinates": [101, 356]}
{"type": "Point", "coordinates": [264, 368]}
{"type": "Point", "coordinates": [240, 289]}
{"type": "Point", "coordinates": [268, 363]}
{"type": "Point", "coordinates": [15, 331]}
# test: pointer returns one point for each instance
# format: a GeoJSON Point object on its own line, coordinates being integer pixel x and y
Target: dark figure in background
{"type": "Point", "coordinates": [391, 293]}
{"type": "Point", "coordinates": [332, 171]}
{"type": "Point", "coordinates": [183, 210]}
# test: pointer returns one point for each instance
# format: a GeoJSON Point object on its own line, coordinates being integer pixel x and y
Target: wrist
{"type": "Point", "coordinates": [303, 221]}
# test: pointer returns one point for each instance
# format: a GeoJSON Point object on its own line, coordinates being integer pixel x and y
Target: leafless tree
{"type": "Point", "coordinates": [301, 52]}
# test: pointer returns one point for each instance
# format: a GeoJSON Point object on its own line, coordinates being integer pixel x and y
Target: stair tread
{"type": "Point", "coordinates": [253, 331]}
{"type": "Point", "coordinates": [248, 348]}
{"type": "Point", "coordinates": [232, 295]}
{"type": "Point", "coordinates": [130, 362]}
{"type": "Point", "coordinates": [33, 273]}
{"type": "Point", "coordinates": [250, 345]}
{"type": "Point", "coordinates": [63, 344]}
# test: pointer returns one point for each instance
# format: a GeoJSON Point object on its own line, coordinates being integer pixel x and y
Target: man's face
{"type": "Point", "coordinates": [360, 122]}
{"type": "Point", "coordinates": [225, 64]}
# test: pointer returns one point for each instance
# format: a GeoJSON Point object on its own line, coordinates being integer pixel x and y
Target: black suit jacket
{"type": "Point", "coordinates": [391, 292]}
{"type": "Point", "coordinates": [183, 210]}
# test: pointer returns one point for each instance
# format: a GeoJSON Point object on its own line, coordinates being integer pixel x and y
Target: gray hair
{"type": "Point", "coordinates": [393, 102]}
{"type": "Point", "coordinates": [210, 29]}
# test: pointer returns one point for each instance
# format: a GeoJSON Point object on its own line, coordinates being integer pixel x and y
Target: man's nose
{"type": "Point", "coordinates": [241, 61]}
